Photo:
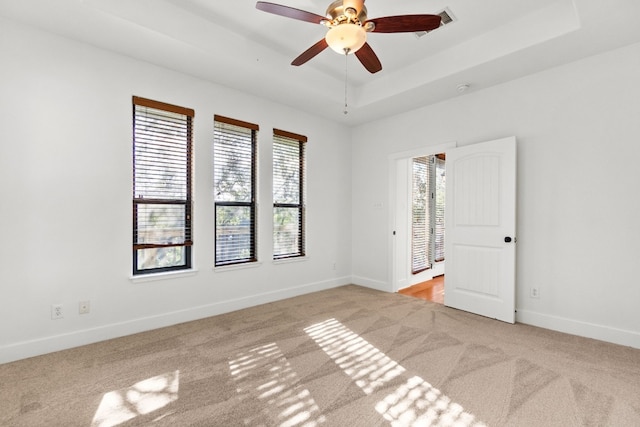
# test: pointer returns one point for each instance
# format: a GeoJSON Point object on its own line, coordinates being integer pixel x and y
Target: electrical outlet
{"type": "Point", "coordinates": [534, 293]}
{"type": "Point", "coordinates": [56, 311]}
{"type": "Point", "coordinates": [334, 265]}
{"type": "Point", "coordinates": [84, 307]}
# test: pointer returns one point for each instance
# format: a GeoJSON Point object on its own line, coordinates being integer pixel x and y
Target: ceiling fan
{"type": "Point", "coordinates": [348, 27]}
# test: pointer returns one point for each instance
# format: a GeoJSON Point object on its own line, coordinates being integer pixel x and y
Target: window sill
{"type": "Point", "coordinates": [152, 277]}
{"type": "Point", "coordinates": [232, 267]}
{"type": "Point", "coordinates": [290, 260]}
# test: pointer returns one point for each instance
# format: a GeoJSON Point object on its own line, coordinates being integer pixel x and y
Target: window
{"type": "Point", "coordinates": [420, 221]}
{"type": "Point", "coordinates": [427, 212]}
{"type": "Point", "coordinates": [440, 185]}
{"type": "Point", "coordinates": [288, 194]}
{"type": "Point", "coordinates": [162, 141]}
{"type": "Point", "coordinates": [234, 186]}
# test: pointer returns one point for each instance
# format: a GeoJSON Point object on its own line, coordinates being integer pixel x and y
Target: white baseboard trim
{"type": "Point", "coordinates": [580, 328]}
{"type": "Point", "coordinates": [370, 283]}
{"type": "Point", "coordinates": [36, 347]}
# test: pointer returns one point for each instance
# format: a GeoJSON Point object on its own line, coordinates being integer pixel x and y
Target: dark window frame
{"type": "Point", "coordinates": [185, 203]}
{"type": "Point", "coordinates": [251, 204]}
{"type": "Point", "coordinates": [300, 207]}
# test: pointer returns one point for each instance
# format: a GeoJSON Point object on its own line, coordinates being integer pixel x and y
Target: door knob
{"type": "Point", "coordinates": [507, 239]}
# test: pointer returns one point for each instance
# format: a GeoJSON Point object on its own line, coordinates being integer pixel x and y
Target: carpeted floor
{"type": "Point", "coordinates": [349, 356]}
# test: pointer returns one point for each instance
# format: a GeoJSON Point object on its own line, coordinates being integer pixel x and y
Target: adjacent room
{"type": "Point", "coordinates": [211, 212]}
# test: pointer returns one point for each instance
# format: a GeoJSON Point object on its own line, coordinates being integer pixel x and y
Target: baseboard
{"type": "Point", "coordinates": [25, 349]}
{"type": "Point", "coordinates": [579, 328]}
{"type": "Point", "coordinates": [370, 283]}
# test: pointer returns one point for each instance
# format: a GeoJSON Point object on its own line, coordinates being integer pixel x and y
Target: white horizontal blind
{"type": "Point", "coordinates": [288, 194]}
{"type": "Point", "coordinates": [234, 159]}
{"type": "Point", "coordinates": [420, 215]}
{"type": "Point", "coordinates": [439, 226]}
{"type": "Point", "coordinates": [162, 154]}
{"type": "Point", "coordinates": [427, 212]}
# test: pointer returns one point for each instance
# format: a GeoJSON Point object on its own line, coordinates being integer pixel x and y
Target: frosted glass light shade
{"type": "Point", "coordinates": [346, 36]}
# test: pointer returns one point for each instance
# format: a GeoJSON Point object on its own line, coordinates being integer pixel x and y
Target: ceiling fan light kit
{"type": "Point", "coordinates": [348, 27]}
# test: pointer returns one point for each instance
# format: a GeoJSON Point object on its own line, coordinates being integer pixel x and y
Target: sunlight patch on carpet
{"type": "Point", "coordinates": [364, 363]}
{"type": "Point", "coordinates": [265, 374]}
{"type": "Point", "coordinates": [144, 397]}
{"type": "Point", "coordinates": [418, 403]}
{"type": "Point", "coordinates": [414, 403]}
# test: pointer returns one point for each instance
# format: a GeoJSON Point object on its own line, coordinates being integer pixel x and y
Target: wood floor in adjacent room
{"type": "Point", "coordinates": [431, 290]}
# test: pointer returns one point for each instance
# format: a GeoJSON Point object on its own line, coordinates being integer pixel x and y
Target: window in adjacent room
{"type": "Point", "coordinates": [427, 212]}
{"type": "Point", "coordinates": [288, 194]}
{"type": "Point", "coordinates": [162, 175]}
{"type": "Point", "coordinates": [234, 187]}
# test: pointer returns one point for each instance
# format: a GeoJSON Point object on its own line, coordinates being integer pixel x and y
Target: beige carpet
{"type": "Point", "coordinates": [345, 357]}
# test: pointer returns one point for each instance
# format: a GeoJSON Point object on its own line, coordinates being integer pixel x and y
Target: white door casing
{"type": "Point", "coordinates": [480, 219]}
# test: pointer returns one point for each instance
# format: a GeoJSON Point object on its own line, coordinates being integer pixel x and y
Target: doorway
{"type": "Point", "coordinates": [405, 268]}
{"type": "Point", "coordinates": [428, 180]}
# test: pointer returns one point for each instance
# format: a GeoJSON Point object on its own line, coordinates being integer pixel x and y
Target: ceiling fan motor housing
{"type": "Point", "coordinates": [339, 12]}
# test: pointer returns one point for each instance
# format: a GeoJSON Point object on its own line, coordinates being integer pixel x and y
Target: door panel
{"type": "Point", "coordinates": [480, 213]}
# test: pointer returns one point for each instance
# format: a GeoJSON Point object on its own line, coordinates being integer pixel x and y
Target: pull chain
{"type": "Point", "coordinates": [346, 63]}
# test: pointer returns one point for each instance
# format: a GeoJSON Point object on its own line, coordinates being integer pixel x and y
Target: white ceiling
{"type": "Point", "coordinates": [234, 44]}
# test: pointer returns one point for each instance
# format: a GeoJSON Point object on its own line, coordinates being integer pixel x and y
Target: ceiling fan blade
{"type": "Point", "coordinates": [406, 23]}
{"type": "Point", "coordinates": [369, 59]}
{"type": "Point", "coordinates": [289, 12]}
{"type": "Point", "coordinates": [310, 53]}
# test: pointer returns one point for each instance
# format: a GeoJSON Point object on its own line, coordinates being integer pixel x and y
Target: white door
{"type": "Point", "coordinates": [480, 220]}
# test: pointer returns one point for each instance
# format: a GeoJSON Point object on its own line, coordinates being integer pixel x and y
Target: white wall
{"type": "Point", "coordinates": [578, 132]}
{"type": "Point", "coordinates": [65, 185]}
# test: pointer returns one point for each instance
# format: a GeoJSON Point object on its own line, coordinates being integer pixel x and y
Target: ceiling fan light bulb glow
{"type": "Point", "coordinates": [346, 37]}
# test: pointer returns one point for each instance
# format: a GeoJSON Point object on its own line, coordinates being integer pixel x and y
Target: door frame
{"type": "Point", "coordinates": [398, 258]}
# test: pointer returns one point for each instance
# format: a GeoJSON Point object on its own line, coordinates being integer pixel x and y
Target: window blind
{"type": "Point", "coordinates": [288, 194]}
{"type": "Point", "coordinates": [234, 170]}
{"type": "Point", "coordinates": [162, 175]}
{"type": "Point", "coordinates": [439, 227]}
{"type": "Point", "coordinates": [427, 212]}
{"type": "Point", "coordinates": [420, 215]}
